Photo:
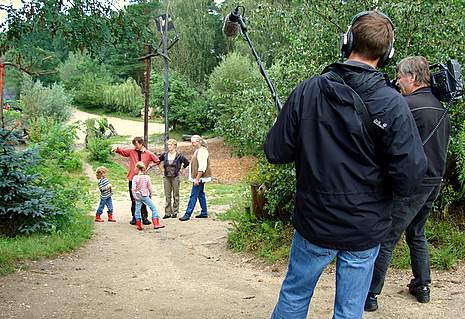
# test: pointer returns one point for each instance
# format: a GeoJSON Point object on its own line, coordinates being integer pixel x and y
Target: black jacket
{"type": "Point", "coordinates": [178, 161]}
{"type": "Point", "coordinates": [427, 111]}
{"type": "Point", "coordinates": [345, 178]}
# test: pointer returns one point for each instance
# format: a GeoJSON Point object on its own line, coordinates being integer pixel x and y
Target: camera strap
{"type": "Point", "coordinates": [359, 105]}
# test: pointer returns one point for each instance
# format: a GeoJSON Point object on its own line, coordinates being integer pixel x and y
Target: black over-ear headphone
{"type": "Point", "coordinates": [347, 40]}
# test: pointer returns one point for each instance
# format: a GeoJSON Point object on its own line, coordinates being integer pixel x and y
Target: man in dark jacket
{"type": "Point", "coordinates": [410, 214]}
{"type": "Point", "coordinates": [346, 174]}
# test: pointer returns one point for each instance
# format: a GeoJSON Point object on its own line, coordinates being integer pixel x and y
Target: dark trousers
{"type": "Point", "coordinates": [143, 210]}
{"type": "Point", "coordinates": [409, 214]}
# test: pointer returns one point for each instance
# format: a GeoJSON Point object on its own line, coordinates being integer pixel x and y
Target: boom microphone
{"type": "Point", "coordinates": [231, 23]}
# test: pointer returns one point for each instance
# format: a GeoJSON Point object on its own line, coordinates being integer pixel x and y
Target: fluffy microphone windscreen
{"type": "Point", "coordinates": [230, 29]}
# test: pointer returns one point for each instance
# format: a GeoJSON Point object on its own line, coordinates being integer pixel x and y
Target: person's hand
{"type": "Point", "coordinates": [196, 182]}
{"type": "Point", "coordinates": [113, 149]}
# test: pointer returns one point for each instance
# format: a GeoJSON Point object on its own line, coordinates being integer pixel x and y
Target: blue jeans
{"type": "Point", "coordinates": [306, 263]}
{"type": "Point", "coordinates": [105, 201]}
{"type": "Point", "coordinates": [147, 201]}
{"type": "Point", "coordinates": [409, 214]}
{"type": "Point", "coordinates": [197, 192]}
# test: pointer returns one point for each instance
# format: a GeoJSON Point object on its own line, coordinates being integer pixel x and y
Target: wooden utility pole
{"type": "Point", "coordinates": [164, 35]}
{"type": "Point", "coordinates": [148, 69]}
{"type": "Point", "coordinates": [2, 81]}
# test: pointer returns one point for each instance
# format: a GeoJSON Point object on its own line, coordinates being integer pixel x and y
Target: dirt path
{"type": "Point", "coordinates": [122, 126]}
{"type": "Point", "coordinates": [186, 271]}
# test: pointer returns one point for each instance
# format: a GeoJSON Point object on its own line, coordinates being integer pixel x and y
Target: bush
{"type": "Point", "coordinates": [56, 142]}
{"type": "Point", "coordinates": [187, 108]}
{"type": "Point", "coordinates": [125, 97]}
{"type": "Point", "coordinates": [96, 143]}
{"type": "Point", "coordinates": [39, 101]}
{"type": "Point", "coordinates": [99, 149]}
{"type": "Point", "coordinates": [242, 108]}
{"type": "Point", "coordinates": [24, 206]}
{"type": "Point", "coordinates": [85, 78]}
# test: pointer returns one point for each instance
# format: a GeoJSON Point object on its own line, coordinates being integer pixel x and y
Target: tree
{"type": "Point", "coordinates": [201, 43]}
{"type": "Point", "coordinates": [24, 207]}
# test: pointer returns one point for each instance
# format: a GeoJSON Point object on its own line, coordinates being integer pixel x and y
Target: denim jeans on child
{"type": "Point", "coordinates": [409, 214]}
{"type": "Point", "coordinates": [105, 201]}
{"type": "Point", "coordinates": [306, 263]}
{"type": "Point", "coordinates": [147, 201]}
{"type": "Point", "coordinates": [197, 192]}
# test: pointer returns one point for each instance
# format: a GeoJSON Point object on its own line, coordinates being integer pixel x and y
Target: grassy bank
{"type": "Point", "coordinates": [16, 252]}
{"type": "Point", "coordinates": [271, 240]}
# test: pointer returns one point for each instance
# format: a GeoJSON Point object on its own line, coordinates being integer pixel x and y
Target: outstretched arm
{"type": "Point", "coordinates": [125, 152]}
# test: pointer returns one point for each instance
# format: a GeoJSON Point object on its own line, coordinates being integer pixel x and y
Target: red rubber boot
{"type": "Point", "coordinates": [156, 223]}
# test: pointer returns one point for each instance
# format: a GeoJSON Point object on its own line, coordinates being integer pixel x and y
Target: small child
{"type": "Point", "coordinates": [105, 194]}
{"type": "Point", "coordinates": [142, 191]}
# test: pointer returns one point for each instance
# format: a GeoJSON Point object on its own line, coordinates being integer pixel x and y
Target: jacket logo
{"type": "Point", "coordinates": [380, 124]}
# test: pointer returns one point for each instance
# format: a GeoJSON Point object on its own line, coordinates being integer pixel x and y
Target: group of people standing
{"type": "Point", "coordinates": [140, 186]}
{"type": "Point", "coordinates": [369, 164]}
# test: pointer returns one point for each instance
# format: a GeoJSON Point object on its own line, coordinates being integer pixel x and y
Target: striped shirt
{"type": "Point", "coordinates": [104, 187]}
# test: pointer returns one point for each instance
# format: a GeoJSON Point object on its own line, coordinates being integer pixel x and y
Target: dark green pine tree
{"type": "Point", "coordinates": [24, 206]}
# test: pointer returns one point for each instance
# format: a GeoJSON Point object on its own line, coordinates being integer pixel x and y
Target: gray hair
{"type": "Point", "coordinates": [417, 66]}
{"type": "Point", "coordinates": [197, 138]}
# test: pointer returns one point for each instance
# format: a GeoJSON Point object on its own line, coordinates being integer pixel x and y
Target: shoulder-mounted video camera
{"type": "Point", "coordinates": [447, 81]}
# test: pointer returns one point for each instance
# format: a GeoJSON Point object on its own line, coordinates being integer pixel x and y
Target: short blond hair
{"type": "Point", "coordinates": [100, 171]}
{"type": "Point", "coordinates": [172, 141]}
{"type": "Point", "coordinates": [140, 166]}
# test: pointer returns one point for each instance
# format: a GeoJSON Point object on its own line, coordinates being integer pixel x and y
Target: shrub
{"type": "Point", "coordinates": [125, 97]}
{"type": "Point", "coordinates": [241, 104]}
{"type": "Point", "coordinates": [99, 149]}
{"type": "Point", "coordinates": [96, 143]}
{"type": "Point", "coordinates": [39, 101]}
{"type": "Point", "coordinates": [85, 78]}
{"type": "Point", "coordinates": [24, 206]}
{"type": "Point", "coordinates": [56, 142]}
{"type": "Point", "coordinates": [187, 108]}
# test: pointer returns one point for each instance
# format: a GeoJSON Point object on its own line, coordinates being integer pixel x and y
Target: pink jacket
{"type": "Point", "coordinates": [142, 185]}
{"type": "Point", "coordinates": [146, 157]}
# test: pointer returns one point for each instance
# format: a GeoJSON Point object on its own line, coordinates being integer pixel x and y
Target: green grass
{"type": "Point", "coordinates": [117, 174]}
{"type": "Point", "coordinates": [14, 251]}
{"type": "Point", "coordinates": [271, 240]}
{"type": "Point", "coordinates": [121, 139]}
{"type": "Point", "coordinates": [225, 194]}
{"type": "Point", "coordinates": [446, 246]}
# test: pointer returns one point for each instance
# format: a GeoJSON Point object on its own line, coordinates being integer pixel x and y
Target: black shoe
{"type": "Point", "coordinates": [184, 218]}
{"type": "Point", "coordinates": [146, 221]}
{"type": "Point", "coordinates": [201, 216]}
{"type": "Point", "coordinates": [133, 221]}
{"type": "Point", "coordinates": [174, 215]}
{"type": "Point", "coordinates": [371, 303]}
{"type": "Point", "coordinates": [419, 292]}
{"type": "Point", "coordinates": [167, 216]}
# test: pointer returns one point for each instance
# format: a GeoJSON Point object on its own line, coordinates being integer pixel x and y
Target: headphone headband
{"type": "Point", "coordinates": [347, 39]}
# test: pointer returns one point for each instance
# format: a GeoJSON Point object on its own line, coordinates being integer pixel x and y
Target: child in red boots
{"type": "Point", "coordinates": [142, 191]}
{"type": "Point", "coordinates": [105, 194]}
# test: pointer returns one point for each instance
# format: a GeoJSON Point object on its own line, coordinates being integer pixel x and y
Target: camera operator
{"type": "Point", "coordinates": [346, 176]}
{"type": "Point", "coordinates": [410, 214]}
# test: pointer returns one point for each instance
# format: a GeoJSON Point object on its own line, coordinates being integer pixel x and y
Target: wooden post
{"type": "Point", "coordinates": [148, 69]}
{"type": "Point", "coordinates": [2, 81]}
{"type": "Point", "coordinates": [165, 98]}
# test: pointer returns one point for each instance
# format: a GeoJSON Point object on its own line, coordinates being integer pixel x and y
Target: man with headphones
{"type": "Point", "coordinates": [354, 144]}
